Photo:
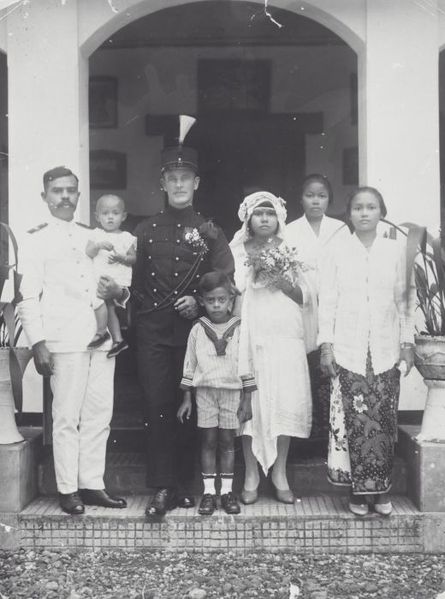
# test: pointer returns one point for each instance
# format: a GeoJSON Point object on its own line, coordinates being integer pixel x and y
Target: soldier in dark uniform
{"type": "Point", "coordinates": [174, 249]}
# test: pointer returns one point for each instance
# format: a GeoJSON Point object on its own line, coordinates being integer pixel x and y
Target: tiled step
{"type": "Point", "coordinates": [312, 524]}
{"type": "Point", "coordinates": [125, 474]}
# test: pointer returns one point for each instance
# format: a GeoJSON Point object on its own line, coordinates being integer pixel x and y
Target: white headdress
{"type": "Point", "coordinates": [247, 207]}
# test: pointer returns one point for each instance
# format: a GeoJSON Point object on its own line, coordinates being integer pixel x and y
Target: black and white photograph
{"type": "Point", "coordinates": [222, 299]}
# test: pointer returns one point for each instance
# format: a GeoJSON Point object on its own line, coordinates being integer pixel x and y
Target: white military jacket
{"type": "Point", "coordinates": [58, 288]}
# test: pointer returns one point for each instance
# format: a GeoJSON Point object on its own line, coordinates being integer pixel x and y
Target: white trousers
{"type": "Point", "coordinates": [83, 387]}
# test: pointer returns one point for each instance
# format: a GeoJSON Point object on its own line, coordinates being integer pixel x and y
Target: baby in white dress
{"type": "Point", "coordinates": [113, 252]}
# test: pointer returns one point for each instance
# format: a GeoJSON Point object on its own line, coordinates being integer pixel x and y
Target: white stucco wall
{"type": "Point", "coordinates": [399, 132]}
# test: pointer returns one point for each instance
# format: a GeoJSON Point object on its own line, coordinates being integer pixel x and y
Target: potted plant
{"type": "Point", "coordinates": [13, 359]}
{"type": "Point", "coordinates": [426, 256]}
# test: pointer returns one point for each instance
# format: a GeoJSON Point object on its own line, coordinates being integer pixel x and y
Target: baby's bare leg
{"type": "Point", "coordinates": [101, 314]}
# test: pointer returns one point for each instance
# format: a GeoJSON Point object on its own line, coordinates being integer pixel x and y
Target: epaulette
{"type": "Point", "coordinates": [84, 225]}
{"type": "Point", "coordinates": [38, 228]}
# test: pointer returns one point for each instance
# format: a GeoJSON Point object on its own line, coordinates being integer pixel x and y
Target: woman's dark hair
{"type": "Point", "coordinates": [375, 192]}
{"type": "Point", "coordinates": [318, 178]}
{"type": "Point", "coordinates": [266, 204]}
{"type": "Point", "coordinates": [212, 280]}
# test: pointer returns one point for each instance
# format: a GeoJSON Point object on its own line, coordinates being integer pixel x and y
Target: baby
{"type": "Point", "coordinates": [113, 252]}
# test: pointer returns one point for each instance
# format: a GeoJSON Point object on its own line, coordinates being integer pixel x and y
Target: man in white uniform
{"type": "Point", "coordinates": [56, 309]}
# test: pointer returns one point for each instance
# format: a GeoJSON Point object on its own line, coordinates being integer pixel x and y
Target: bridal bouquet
{"type": "Point", "coordinates": [274, 264]}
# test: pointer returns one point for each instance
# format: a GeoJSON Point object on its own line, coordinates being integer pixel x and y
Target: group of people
{"type": "Point", "coordinates": [231, 339]}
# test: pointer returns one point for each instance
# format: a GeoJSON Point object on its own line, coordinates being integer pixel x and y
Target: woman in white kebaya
{"type": "Point", "coordinates": [366, 333]}
{"type": "Point", "coordinates": [313, 234]}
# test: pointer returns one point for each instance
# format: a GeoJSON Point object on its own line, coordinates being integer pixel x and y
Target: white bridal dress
{"type": "Point", "coordinates": [272, 335]}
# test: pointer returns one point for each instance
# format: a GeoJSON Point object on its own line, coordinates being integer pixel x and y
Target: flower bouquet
{"type": "Point", "coordinates": [274, 264]}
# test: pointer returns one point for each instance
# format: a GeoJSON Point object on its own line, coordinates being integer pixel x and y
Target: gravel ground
{"type": "Point", "coordinates": [161, 575]}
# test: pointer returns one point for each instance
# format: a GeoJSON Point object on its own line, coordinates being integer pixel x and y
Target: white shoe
{"type": "Point", "coordinates": [384, 509]}
{"type": "Point", "coordinates": [359, 509]}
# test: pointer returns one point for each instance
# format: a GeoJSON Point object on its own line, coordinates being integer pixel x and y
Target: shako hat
{"type": "Point", "coordinates": [181, 156]}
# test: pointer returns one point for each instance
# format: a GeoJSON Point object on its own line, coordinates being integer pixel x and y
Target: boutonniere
{"type": "Point", "coordinates": [195, 241]}
{"type": "Point", "coordinates": [197, 238]}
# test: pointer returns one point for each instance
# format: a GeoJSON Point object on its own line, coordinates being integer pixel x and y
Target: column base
{"type": "Point", "coordinates": [18, 468]}
{"type": "Point", "coordinates": [433, 422]}
{"type": "Point", "coordinates": [425, 463]}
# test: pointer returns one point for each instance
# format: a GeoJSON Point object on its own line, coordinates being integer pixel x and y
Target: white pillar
{"type": "Point", "coordinates": [398, 108]}
{"type": "Point", "coordinates": [47, 106]}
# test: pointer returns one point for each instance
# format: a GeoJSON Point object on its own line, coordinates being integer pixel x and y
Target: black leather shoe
{"type": "Point", "coordinates": [186, 501]}
{"type": "Point", "coordinates": [71, 503]}
{"type": "Point", "coordinates": [229, 503]}
{"type": "Point", "coordinates": [101, 498]}
{"type": "Point", "coordinates": [163, 501]}
{"type": "Point", "coordinates": [207, 505]}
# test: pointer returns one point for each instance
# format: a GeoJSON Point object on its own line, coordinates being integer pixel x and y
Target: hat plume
{"type": "Point", "coordinates": [185, 124]}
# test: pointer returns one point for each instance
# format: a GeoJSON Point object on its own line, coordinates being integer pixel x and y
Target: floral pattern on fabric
{"type": "Point", "coordinates": [363, 429]}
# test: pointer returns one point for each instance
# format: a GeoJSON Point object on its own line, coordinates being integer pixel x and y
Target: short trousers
{"type": "Point", "coordinates": [217, 408]}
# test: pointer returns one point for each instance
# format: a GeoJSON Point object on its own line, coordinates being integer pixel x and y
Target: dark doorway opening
{"type": "Point", "coordinates": [272, 104]}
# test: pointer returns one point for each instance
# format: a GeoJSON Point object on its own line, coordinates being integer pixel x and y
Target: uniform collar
{"type": "Point", "coordinates": [62, 224]}
{"type": "Point", "coordinates": [180, 214]}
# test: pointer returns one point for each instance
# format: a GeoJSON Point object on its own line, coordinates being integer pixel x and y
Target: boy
{"type": "Point", "coordinates": [223, 396]}
{"type": "Point", "coordinates": [113, 252]}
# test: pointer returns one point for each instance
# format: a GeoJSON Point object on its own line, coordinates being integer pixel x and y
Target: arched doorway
{"type": "Point", "coordinates": [272, 104]}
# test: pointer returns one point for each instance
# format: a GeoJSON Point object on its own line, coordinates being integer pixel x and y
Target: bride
{"type": "Point", "coordinates": [272, 336]}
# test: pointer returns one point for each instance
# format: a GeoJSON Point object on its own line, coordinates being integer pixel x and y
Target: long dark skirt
{"type": "Point", "coordinates": [321, 389]}
{"type": "Point", "coordinates": [363, 429]}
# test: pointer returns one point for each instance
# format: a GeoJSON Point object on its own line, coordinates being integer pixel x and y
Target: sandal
{"type": "Point", "coordinates": [384, 508]}
{"type": "Point", "coordinates": [358, 506]}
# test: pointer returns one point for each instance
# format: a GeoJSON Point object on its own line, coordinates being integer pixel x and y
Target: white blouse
{"type": "Point", "coordinates": [311, 249]}
{"type": "Point", "coordinates": [363, 303]}
{"type": "Point", "coordinates": [301, 235]}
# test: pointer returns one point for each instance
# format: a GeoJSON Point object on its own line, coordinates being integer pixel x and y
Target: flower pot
{"type": "Point", "coordinates": [8, 427]}
{"type": "Point", "coordinates": [429, 359]}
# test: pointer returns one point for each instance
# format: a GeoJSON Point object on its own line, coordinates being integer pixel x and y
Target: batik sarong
{"type": "Point", "coordinates": [320, 386]}
{"type": "Point", "coordinates": [363, 429]}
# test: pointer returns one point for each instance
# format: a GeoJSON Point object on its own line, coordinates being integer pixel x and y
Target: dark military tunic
{"type": "Point", "coordinates": [171, 258]}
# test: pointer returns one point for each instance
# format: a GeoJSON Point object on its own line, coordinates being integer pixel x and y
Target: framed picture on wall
{"type": "Point", "coordinates": [108, 169]}
{"type": "Point", "coordinates": [103, 102]}
{"type": "Point", "coordinates": [233, 85]}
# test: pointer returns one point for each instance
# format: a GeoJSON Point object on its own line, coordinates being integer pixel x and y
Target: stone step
{"type": "Point", "coordinates": [125, 474]}
{"type": "Point", "coordinates": [313, 524]}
